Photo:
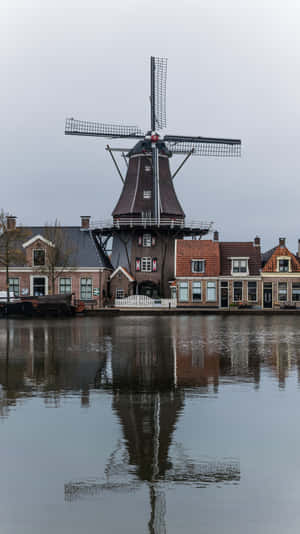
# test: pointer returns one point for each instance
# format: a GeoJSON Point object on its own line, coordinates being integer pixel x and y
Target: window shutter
{"type": "Point", "coordinates": [140, 240]}
{"type": "Point", "coordinates": [153, 241]}
{"type": "Point", "coordinates": [154, 265]}
{"type": "Point", "coordinates": [137, 264]}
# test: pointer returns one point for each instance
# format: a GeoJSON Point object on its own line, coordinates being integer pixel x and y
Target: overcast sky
{"type": "Point", "coordinates": [233, 71]}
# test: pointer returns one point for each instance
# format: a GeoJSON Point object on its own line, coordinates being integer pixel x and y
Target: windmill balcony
{"type": "Point", "coordinates": [134, 222]}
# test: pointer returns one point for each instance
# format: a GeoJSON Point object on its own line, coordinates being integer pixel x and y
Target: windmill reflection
{"type": "Point", "coordinates": [147, 400]}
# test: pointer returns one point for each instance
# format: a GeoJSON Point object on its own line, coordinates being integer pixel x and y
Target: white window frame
{"type": "Point", "coordinates": [38, 276]}
{"type": "Point", "coordinates": [183, 286]}
{"type": "Point", "coordinates": [33, 251]}
{"type": "Point", "coordinates": [146, 264]}
{"type": "Point", "coordinates": [11, 290]}
{"type": "Point", "coordinates": [239, 260]}
{"type": "Point", "coordinates": [147, 240]}
{"type": "Point", "coordinates": [294, 300]}
{"type": "Point", "coordinates": [286, 258]}
{"type": "Point", "coordinates": [147, 194]}
{"type": "Point", "coordinates": [193, 265]}
{"type": "Point", "coordinates": [251, 282]}
{"type": "Point", "coordinates": [286, 294]}
{"type": "Point", "coordinates": [199, 283]}
{"type": "Point", "coordinates": [213, 285]}
{"type": "Point", "coordinates": [64, 278]}
{"type": "Point", "coordinates": [120, 293]}
{"type": "Point", "coordinates": [86, 278]}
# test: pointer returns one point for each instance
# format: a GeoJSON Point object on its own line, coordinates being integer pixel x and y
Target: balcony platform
{"type": "Point", "coordinates": [181, 226]}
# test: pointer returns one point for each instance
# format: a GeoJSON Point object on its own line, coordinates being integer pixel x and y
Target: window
{"type": "Point", "coordinates": [252, 292]}
{"type": "Point", "coordinates": [14, 286]}
{"type": "Point", "coordinates": [239, 266]}
{"type": "Point", "coordinates": [147, 194]}
{"type": "Point", "coordinates": [65, 285]}
{"type": "Point", "coordinates": [296, 292]}
{"type": "Point", "coordinates": [196, 291]}
{"type": "Point", "coordinates": [85, 288]}
{"type": "Point", "coordinates": [211, 291]}
{"type": "Point", "coordinates": [183, 291]}
{"type": "Point", "coordinates": [147, 241]}
{"type": "Point", "coordinates": [198, 266]}
{"type": "Point", "coordinates": [282, 291]}
{"type": "Point", "coordinates": [39, 286]}
{"type": "Point", "coordinates": [237, 291]}
{"type": "Point", "coordinates": [284, 266]}
{"type": "Point", "coordinates": [38, 257]}
{"type": "Point", "coordinates": [146, 265]}
{"type": "Point", "coordinates": [119, 293]}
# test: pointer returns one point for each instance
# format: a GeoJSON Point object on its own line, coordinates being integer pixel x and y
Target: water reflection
{"type": "Point", "coordinates": [149, 366]}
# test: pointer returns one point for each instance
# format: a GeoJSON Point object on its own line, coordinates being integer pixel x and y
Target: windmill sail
{"type": "Point", "coordinates": [203, 146]}
{"type": "Point", "coordinates": [98, 129]}
{"type": "Point", "coordinates": [158, 93]}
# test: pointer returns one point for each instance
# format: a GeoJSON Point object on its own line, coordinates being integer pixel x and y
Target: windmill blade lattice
{"type": "Point", "coordinates": [158, 93]}
{"type": "Point", "coordinates": [98, 129]}
{"type": "Point", "coordinates": [203, 146]}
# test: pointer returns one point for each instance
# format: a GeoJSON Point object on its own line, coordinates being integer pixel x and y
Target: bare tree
{"type": "Point", "coordinates": [11, 251]}
{"type": "Point", "coordinates": [60, 255]}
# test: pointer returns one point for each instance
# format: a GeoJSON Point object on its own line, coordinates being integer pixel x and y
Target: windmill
{"type": "Point", "coordinates": [148, 199]}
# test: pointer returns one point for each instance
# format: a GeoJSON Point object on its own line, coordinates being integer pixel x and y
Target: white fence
{"type": "Point", "coordinates": [142, 301]}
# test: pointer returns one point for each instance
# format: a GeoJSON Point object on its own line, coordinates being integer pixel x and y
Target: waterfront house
{"type": "Point", "coordinates": [217, 274]}
{"type": "Point", "coordinates": [240, 274]}
{"type": "Point", "coordinates": [280, 277]}
{"type": "Point", "coordinates": [82, 268]}
{"type": "Point", "coordinates": [122, 284]}
{"type": "Point", "coordinates": [197, 271]}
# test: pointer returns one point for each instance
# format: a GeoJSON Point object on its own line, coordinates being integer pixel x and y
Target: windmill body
{"type": "Point", "coordinates": [148, 217]}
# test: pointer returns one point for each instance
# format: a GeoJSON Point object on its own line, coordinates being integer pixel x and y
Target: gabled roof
{"type": "Point", "coordinates": [124, 271]}
{"type": "Point", "coordinates": [239, 249]}
{"type": "Point", "coordinates": [271, 264]}
{"type": "Point", "coordinates": [188, 250]}
{"type": "Point", "coordinates": [36, 238]}
{"type": "Point", "coordinates": [86, 251]}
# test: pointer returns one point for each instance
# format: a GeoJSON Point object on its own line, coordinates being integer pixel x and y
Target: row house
{"type": "Point", "coordinates": [214, 274]}
{"type": "Point", "coordinates": [281, 277]}
{"type": "Point", "coordinates": [85, 274]}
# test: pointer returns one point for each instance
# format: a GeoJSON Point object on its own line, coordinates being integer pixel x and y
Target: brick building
{"type": "Point", "coordinates": [214, 274]}
{"type": "Point", "coordinates": [86, 275]}
{"type": "Point", "coordinates": [280, 277]}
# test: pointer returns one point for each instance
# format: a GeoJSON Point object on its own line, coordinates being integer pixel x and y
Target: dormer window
{"type": "Point", "coordinates": [38, 257]}
{"type": "Point", "coordinates": [239, 266]}
{"type": "Point", "coordinates": [198, 266]}
{"type": "Point", "coordinates": [283, 265]}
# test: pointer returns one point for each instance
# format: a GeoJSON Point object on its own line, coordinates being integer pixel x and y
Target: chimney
{"type": "Point", "coordinates": [257, 242]}
{"type": "Point", "coordinates": [11, 222]}
{"type": "Point", "coordinates": [216, 235]}
{"type": "Point", "coordinates": [282, 242]}
{"type": "Point", "coordinates": [85, 222]}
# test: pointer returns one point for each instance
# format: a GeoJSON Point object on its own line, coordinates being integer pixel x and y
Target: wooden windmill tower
{"type": "Point", "coordinates": [148, 216]}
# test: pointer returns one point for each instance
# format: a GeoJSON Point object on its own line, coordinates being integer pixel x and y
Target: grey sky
{"type": "Point", "coordinates": [233, 71]}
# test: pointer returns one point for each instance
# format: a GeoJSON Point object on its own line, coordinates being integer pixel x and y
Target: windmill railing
{"type": "Point", "coordinates": [117, 223]}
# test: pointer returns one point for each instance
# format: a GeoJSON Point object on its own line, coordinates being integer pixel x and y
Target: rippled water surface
{"type": "Point", "coordinates": [150, 425]}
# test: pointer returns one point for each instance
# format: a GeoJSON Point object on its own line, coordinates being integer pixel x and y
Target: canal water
{"type": "Point", "coordinates": [150, 425]}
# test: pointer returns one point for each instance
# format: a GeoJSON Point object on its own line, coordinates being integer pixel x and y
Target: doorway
{"type": "Point", "coordinates": [149, 289]}
{"type": "Point", "coordinates": [268, 295]}
{"type": "Point", "coordinates": [224, 294]}
{"type": "Point", "coordinates": [39, 286]}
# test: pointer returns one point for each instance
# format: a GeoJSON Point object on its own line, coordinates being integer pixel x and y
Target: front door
{"type": "Point", "coordinates": [39, 286]}
{"type": "Point", "coordinates": [268, 299]}
{"type": "Point", "coordinates": [224, 294]}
